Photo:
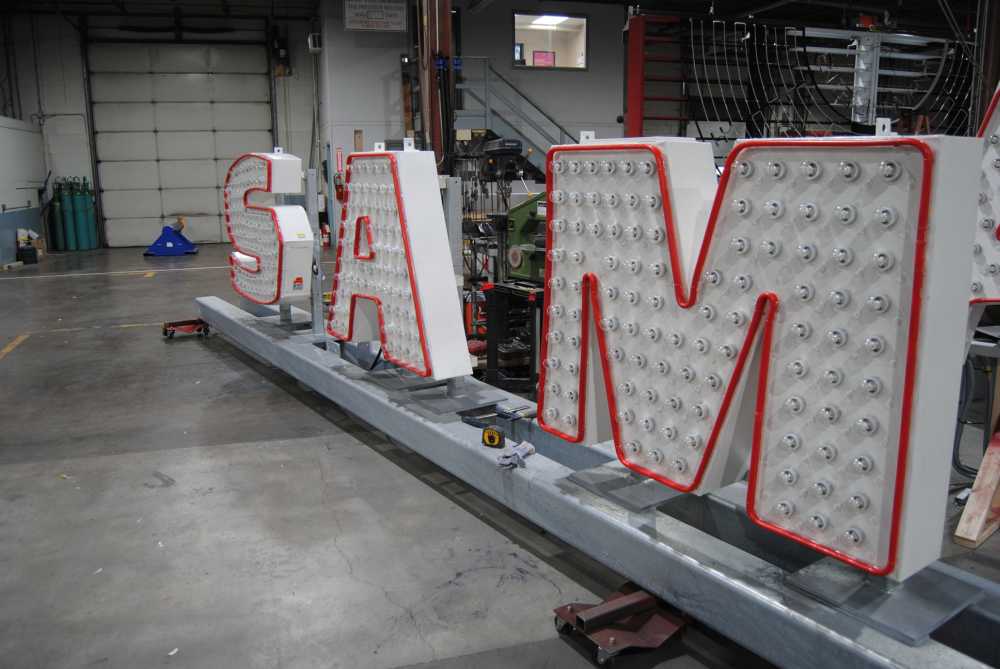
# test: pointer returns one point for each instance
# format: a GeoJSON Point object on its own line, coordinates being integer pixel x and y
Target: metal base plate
{"type": "Point", "coordinates": [827, 581]}
{"type": "Point", "coordinates": [437, 397]}
{"type": "Point", "coordinates": [287, 317]}
{"type": "Point", "coordinates": [426, 396]}
{"type": "Point", "coordinates": [617, 483]}
{"type": "Point", "coordinates": [396, 380]}
{"type": "Point", "coordinates": [453, 397]}
{"type": "Point", "coordinates": [909, 611]}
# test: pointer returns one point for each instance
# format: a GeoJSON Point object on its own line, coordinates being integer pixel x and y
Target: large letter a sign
{"type": "Point", "coordinates": [393, 280]}
{"type": "Point", "coordinates": [812, 306]}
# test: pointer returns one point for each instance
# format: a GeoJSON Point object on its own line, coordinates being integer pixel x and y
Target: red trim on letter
{"type": "Point", "coordinates": [765, 310]}
{"type": "Point", "coordinates": [994, 101]}
{"type": "Point", "coordinates": [233, 267]}
{"type": "Point", "coordinates": [426, 370]}
{"type": "Point", "coordinates": [367, 224]}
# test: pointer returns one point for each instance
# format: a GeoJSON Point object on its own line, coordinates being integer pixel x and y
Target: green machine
{"type": "Point", "coordinates": [525, 241]}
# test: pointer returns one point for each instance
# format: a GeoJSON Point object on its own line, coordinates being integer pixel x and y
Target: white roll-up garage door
{"type": "Point", "coordinates": [168, 121]}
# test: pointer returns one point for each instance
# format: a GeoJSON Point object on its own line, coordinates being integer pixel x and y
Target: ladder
{"type": "Point", "coordinates": [656, 82]}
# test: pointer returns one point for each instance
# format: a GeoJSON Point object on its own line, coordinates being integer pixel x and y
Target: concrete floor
{"type": "Point", "coordinates": [176, 503]}
{"type": "Point", "coordinates": [181, 504]}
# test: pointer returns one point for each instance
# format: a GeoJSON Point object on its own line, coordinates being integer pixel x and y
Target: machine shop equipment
{"type": "Point", "coordinates": [525, 240]}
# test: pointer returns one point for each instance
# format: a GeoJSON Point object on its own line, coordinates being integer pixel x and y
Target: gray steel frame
{"type": "Point", "coordinates": [718, 574]}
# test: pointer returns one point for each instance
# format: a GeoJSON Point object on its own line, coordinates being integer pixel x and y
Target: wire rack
{"type": "Point", "coordinates": [725, 80]}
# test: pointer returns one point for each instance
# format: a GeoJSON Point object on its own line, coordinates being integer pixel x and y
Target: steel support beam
{"type": "Point", "coordinates": [635, 76]}
{"type": "Point", "coordinates": [742, 596]}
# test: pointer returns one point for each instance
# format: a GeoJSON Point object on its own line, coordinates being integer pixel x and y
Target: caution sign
{"type": "Point", "coordinates": [380, 15]}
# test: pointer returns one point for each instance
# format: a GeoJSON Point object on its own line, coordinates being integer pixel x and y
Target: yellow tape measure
{"type": "Point", "coordinates": [493, 438]}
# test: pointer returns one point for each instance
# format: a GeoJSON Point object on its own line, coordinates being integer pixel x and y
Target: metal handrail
{"type": "Point", "coordinates": [534, 104]}
{"type": "Point", "coordinates": [520, 114]}
{"type": "Point", "coordinates": [492, 111]}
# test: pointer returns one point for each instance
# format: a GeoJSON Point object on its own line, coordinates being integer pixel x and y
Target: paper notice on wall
{"type": "Point", "coordinates": [380, 15]}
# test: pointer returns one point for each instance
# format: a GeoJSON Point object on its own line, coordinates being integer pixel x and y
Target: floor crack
{"type": "Point", "coordinates": [408, 611]}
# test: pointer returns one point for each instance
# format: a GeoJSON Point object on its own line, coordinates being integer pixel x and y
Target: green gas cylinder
{"type": "Point", "coordinates": [80, 215]}
{"type": "Point", "coordinates": [92, 241]}
{"type": "Point", "coordinates": [55, 218]}
{"type": "Point", "coordinates": [69, 227]}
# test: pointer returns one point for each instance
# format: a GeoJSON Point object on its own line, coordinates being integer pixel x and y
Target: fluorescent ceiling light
{"type": "Point", "coordinates": [549, 20]}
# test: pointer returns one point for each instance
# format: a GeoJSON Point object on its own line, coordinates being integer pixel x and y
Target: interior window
{"type": "Point", "coordinates": [550, 40]}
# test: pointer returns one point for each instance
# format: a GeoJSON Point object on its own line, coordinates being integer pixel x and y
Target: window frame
{"type": "Point", "coordinates": [534, 12]}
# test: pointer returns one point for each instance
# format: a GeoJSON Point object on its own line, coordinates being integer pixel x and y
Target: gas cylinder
{"type": "Point", "coordinates": [57, 237]}
{"type": "Point", "coordinates": [80, 215]}
{"type": "Point", "coordinates": [69, 227]}
{"type": "Point", "coordinates": [92, 241]}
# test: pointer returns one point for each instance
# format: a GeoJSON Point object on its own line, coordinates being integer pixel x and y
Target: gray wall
{"type": "Point", "coordinates": [22, 171]}
{"type": "Point", "coordinates": [361, 87]}
{"type": "Point", "coordinates": [55, 99]}
{"type": "Point", "coordinates": [293, 95]}
{"type": "Point", "coordinates": [588, 99]}
{"type": "Point", "coordinates": [360, 72]}
{"type": "Point", "coordinates": [58, 90]}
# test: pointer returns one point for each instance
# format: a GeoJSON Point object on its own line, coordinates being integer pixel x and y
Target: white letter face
{"type": "Point", "coordinates": [393, 255]}
{"type": "Point", "coordinates": [986, 249]}
{"type": "Point", "coordinates": [811, 266]}
{"type": "Point", "coordinates": [272, 257]}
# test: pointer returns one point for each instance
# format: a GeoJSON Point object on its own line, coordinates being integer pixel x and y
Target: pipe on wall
{"type": "Point", "coordinates": [88, 105]}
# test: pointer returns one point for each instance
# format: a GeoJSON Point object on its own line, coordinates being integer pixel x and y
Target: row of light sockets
{"type": "Point", "coordinates": [848, 171]}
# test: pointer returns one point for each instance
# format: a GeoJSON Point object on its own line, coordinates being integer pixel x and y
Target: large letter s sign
{"type": "Point", "coordinates": [272, 245]}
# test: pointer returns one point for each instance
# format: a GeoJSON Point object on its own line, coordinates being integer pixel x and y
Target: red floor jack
{"type": "Point", "coordinates": [630, 619]}
{"type": "Point", "coordinates": [195, 326]}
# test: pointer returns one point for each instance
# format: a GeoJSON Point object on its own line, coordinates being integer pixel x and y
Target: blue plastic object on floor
{"type": "Point", "coordinates": [170, 243]}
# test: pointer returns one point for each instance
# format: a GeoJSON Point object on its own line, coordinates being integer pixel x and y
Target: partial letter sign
{"type": "Point", "coordinates": [807, 314]}
{"type": "Point", "coordinates": [273, 245]}
{"type": "Point", "coordinates": [393, 280]}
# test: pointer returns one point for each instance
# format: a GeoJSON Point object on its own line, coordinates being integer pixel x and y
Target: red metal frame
{"type": "Point", "coordinates": [232, 238]}
{"type": "Point", "coordinates": [363, 222]}
{"type": "Point", "coordinates": [636, 77]}
{"type": "Point", "coordinates": [989, 112]}
{"type": "Point", "coordinates": [427, 369]}
{"type": "Point", "coordinates": [765, 309]}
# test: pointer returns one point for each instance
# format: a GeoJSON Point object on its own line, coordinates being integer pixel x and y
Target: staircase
{"type": "Point", "coordinates": [490, 100]}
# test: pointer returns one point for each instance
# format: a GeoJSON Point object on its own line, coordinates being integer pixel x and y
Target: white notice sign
{"type": "Point", "coordinates": [383, 15]}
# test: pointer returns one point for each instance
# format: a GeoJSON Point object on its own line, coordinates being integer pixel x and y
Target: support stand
{"type": "Point", "coordinates": [171, 242]}
{"type": "Point", "coordinates": [630, 619]}
{"type": "Point", "coordinates": [981, 516]}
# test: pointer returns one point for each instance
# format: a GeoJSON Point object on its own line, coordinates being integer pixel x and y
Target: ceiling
{"type": "Point", "coordinates": [570, 24]}
{"type": "Point", "coordinates": [924, 16]}
{"type": "Point", "coordinates": [278, 9]}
